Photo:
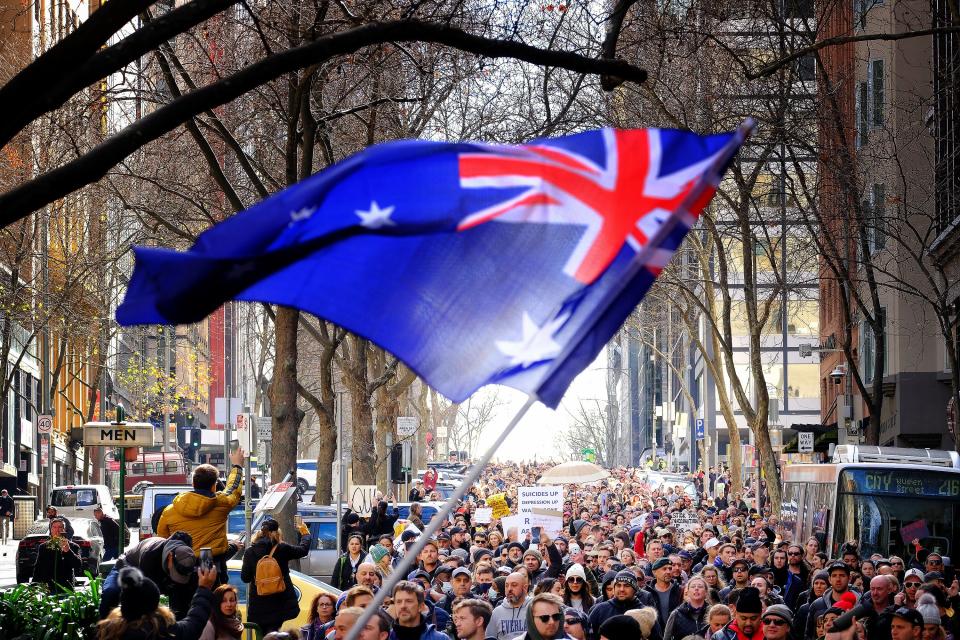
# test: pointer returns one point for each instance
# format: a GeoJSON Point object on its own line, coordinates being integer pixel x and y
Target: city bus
{"type": "Point", "coordinates": [152, 465]}
{"type": "Point", "coordinates": [881, 497]}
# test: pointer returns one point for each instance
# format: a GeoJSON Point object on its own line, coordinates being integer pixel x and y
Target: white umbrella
{"type": "Point", "coordinates": [573, 473]}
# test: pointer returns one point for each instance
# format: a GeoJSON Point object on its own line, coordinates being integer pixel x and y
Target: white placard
{"type": "Point", "coordinates": [684, 520]}
{"type": "Point", "coordinates": [483, 515]}
{"type": "Point", "coordinates": [406, 427]}
{"type": "Point", "coordinates": [264, 428]}
{"type": "Point", "coordinates": [360, 498]}
{"type": "Point", "coordinates": [546, 497]}
{"type": "Point", "coordinates": [805, 441]}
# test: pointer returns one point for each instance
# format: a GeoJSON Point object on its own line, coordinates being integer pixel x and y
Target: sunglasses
{"type": "Point", "coordinates": [556, 617]}
{"type": "Point", "coordinates": [934, 561]}
{"type": "Point", "coordinates": [794, 553]}
{"type": "Point", "coordinates": [575, 579]}
{"type": "Point", "coordinates": [776, 622]}
{"type": "Point", "coordinates": [572, 622]}
{"type": "Point", "coordinates": [911, 585]}
{"type": "Point", "coordinates": [739, 569]}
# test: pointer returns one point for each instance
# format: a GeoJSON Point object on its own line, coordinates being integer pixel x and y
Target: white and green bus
{"type": "Point", "coordinates": [880, 497]}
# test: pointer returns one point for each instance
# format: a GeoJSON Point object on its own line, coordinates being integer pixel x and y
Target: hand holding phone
{"type": "Point", "coordinates": [535, 535]}
{"type": "Point", "coordinates": [206, 558]}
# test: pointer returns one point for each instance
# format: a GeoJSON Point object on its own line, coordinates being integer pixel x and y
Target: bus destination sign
{"type": "Point", "coordinates": [888, 482]}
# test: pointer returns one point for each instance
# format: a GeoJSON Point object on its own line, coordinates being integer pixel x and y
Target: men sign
{"type": "Point", "coordinates": [108, 434]}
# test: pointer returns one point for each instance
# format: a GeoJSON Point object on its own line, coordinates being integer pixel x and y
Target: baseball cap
{"type": "Point", "coordinates": [443, 535]}
{"type": "Point", "coordinates": [916, 573]}
{"type": "Point", "coordinates": [461, 571]}
{"type": "Point", "coordinates": [910, 615]}
{"type": "Point", "coordinates": [573, 549]}
{"type": "Point", "coordinates": [184, 561]}
{"type": "Point", "coordinates": [711, 543]}
{"type": "Point", "coordinates": [932, 575]}
{"type": "Point", "coordinates": [835, 566]}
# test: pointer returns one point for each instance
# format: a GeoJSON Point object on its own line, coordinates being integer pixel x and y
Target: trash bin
{"type": "Point", "coordinates": [25, 514]}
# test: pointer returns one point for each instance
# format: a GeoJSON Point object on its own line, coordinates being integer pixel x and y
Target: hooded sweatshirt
{"type": "Point", "coordinates": [508, 622]}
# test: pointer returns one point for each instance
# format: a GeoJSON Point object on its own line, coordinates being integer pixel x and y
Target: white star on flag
{"type": "Point", "coordinates": [302, 214]}
{"type": "Point", "coordinates": [536, 344]}
{"type": "Point", "coordinates": [376, 217]}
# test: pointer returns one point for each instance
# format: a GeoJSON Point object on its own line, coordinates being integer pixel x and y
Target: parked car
{"type": "Point", "coordinates": [306, 587]}
{"type": "Point", "coordinates": [86, 534]}
{"type": "Point", "coordinates": [78, 501]}
{"type": "Point", "coordinates": [155, 500]}
{"type": "Point", "coordinates": [322, 522]}
{"type": "Point", "coordinates": [306, 476]}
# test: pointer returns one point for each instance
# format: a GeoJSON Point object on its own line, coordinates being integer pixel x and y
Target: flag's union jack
{"type": "Point", "coordinates": [625, 199]}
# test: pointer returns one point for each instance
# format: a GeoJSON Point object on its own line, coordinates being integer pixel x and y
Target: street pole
{"type": "Point", "coordinates": [339, 400]}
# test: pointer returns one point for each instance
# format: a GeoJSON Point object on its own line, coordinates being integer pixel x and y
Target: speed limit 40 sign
{"type": "Point", "coordinates": [44, 424]}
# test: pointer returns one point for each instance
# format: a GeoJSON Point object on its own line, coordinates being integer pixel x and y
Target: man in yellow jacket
{"type": "Point", "coordinates": [203, 512]}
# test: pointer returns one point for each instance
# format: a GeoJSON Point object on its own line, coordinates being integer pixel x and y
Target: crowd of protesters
{"type": "Point", "coordinates": [692, 562]}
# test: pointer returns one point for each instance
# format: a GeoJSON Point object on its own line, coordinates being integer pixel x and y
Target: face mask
{"type": "Point", "coordinates": [492, 593]}
{"type": "Point", "coordinates": [446, 587]}
{"type": "Point", "coordinates": [482, 587]}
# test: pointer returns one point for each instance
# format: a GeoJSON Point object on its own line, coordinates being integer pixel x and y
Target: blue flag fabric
{"type": "Point", "coordinates": [472, 263]}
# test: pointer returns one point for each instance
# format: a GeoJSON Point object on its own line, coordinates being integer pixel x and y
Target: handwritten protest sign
{"type": "Point", "coordinates": [499, 505]}
{"type": "Point", "coordinates": [483, 515]}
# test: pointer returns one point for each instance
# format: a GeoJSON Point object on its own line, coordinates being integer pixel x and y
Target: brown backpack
{"type": "Point", "coordinates": [269, 578]}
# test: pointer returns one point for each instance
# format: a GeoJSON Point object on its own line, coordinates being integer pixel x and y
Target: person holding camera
{"type": "Point", "coordinates": [58, 560]}
{"type": "Point", "coordinates": [203, 512]}
{"type": "Point", "coordinates": [271, 597]}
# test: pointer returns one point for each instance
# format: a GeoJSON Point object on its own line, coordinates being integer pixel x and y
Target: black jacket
{"type": "Point", "coordinates": [270, 611]}
{"type": "Point", "coordinates": [148, 557]}
{"type": "Point", "coordinates": [111, 532]}
{"type": "Point", "coordinates": [343, 572]}
{"type": "Point", "coordinates": [6, 506]}
{"type": "Point", "coordinates": [675, 600]}
{"type": "Point", "coordinates": [190, 627]}
{"type": "Point", "coordinates": [55, 567]}
{"type": "Point", "coordinates": [609, 608]}
{"type": "Point", "coordinates": [685, 621]}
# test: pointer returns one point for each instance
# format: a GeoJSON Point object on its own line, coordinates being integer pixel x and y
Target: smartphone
{"type": "Point", "coordinates": [535, 535]}
{"type": "Point", "coordinates": [206, 558]}
{"type": "Point", "coordinates": [297, 520]}
{"type": "Point", "coordinates": [234, 445]}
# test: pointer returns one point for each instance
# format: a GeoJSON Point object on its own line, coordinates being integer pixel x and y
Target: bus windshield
{"type": "Point", "coordinates": [885, 510]}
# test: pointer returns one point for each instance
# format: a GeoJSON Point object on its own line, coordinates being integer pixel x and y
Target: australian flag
{"type": "Point", "coordinates": [472, 263]}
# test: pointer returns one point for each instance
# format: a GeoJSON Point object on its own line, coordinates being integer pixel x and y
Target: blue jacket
{"type": "Point", "coordinates": [429, 632]}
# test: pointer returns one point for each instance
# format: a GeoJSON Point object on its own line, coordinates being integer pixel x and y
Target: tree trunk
{"type": "Point", "coordinates": [388, 408]}
{"type": "Point", "coordinates": [286, 414]}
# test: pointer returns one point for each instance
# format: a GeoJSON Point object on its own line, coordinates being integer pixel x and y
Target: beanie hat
{"type": "Point", "coordinates": [782, 611]}
{"type": "Point", "coordinates": [533, 552]}
{"type": "Point", "coordinates": [749, 601]}
{"type": "Point", "coordinates": [514, 544]}
{"type": "Point", "coordinates": [660, 563]}
{"type": "Point", "coordinates": [479, 553]}
{"type": "Point", "coordinates": [822, 575]}
{"type": "Point", "coordinates": [576, 570]}
{"type": "Point", "coordinates": [463, 554]}
{"type": "Point", "coordinates": [577, 525]}
{"type": "Point", "coordinates": [378, 552]}
{"type": "Point", "coordinates": [627, 577]}
{"type": "Point", "coordinates": [846, 601]}
{"type": "Point", "coordinates": [927, 607]}
{"type": "Point", "coordinates": [139, 596]}
{"type": "Point", "coordinates": [620, 628]}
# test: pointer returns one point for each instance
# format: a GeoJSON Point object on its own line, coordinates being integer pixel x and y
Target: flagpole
{"type": "Point", "coordinates": [409, 557]}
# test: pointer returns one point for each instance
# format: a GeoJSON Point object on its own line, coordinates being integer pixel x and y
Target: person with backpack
{"type": "Point", "coordinates": [271, 598]}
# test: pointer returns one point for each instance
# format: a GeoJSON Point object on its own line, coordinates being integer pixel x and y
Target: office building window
{"type": "Point", "coordinates": [875, 78]}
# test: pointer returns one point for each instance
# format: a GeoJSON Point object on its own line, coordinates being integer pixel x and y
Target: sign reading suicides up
{"type": "Point", "coordinates": [548, 497]}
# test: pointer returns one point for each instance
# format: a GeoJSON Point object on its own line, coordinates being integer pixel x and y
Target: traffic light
{"type": "Point", "coordinates": [195, 438]}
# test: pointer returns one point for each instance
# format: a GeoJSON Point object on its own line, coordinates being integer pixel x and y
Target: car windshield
{"type": "Point", "coordinates": [73, 497]}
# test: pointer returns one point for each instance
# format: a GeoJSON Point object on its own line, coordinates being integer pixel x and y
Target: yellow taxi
{"type": "Point", "coordinates": [306, 588]}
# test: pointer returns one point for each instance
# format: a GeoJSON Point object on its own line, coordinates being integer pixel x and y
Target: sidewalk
{"type": "Point", "coordinates": [8, 564]}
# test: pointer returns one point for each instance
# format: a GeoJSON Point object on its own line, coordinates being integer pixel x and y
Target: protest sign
{"type": "Point", "coordinates": [483, 515]}
{"type": "Point", "coordinates": [684, 520]}
{"type": "Point", "coordinates": [548, 497]}
{"type": "Point", "coordinates": [499, 504]}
